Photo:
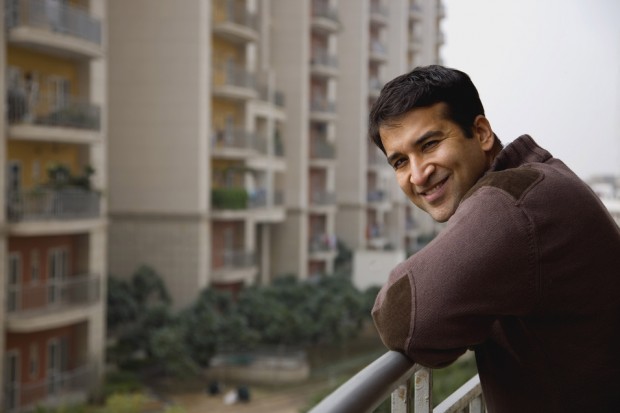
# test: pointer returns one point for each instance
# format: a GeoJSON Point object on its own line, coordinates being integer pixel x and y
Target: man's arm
{"type": "Point", "coordinates": [445, 299]}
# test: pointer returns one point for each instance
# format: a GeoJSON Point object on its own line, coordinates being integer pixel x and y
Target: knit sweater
{"type": "Point", "coordinates": [527, 274]}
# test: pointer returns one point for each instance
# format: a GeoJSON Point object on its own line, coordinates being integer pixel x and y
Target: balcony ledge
{"type": "Point", "coordinates": [54, 43]}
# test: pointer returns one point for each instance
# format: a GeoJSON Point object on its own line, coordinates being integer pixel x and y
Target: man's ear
{"type": "Point", "coordinates": [483, 132]}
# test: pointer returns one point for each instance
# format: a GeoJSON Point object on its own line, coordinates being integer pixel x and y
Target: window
{"type": "Point", "coordinates": [34, 360]}
{"type": "Point", "coordinates": [58, 270]}
{"type": "Point", "coordinates": [14, 271]}
{"type": "Point", "coordinates": [35, 270]}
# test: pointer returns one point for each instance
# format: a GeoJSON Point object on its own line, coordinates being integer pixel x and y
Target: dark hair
{"type": "Point", "coordinates": [423, 87]}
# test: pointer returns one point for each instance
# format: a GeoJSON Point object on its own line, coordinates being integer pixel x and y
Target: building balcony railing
{"type": "Point", "coordinates": [231, 74]}
{"type": "Point", "coordinates": [239, 139]}
{"type": "Point", "coordinates": [409, 385]}
{"type": "Point", "coordinates": [322, 105]}
{"type": "Point", "coordinates": [55, 16]}
{"type": "Point", "coordinates": [376, 195]}
{"type": "Point", "coordinates": [48, 110]}
{"type": "Point", "coordinates": [56, 389]}
{"type": "Point", "coordinates": [278, 97]}
{"type": "Point", "coordinates": [235, 198]}
{"type": "Point", "coordinates": [51, 204]}
{"type": "Point", "coordinates": [379, 10]}
{"type": "Point", "coordinates": [320, 8]}
{"type": "Point", "coordinates": [322, 243]}
{"type": "Point", "coordinates": [321, 57]}
{"type": "Point", "coordinates": [323, 198]}
{"type": "Point", "coordinates": [378, 48]}
{"type": "Point", "coordinates": [234, 259]}
{"type": "Point", "coordinates": [321, 149]}
{"type": "Point", "coordinates": [231, 11]}
{"type": "Point", "coordinates": [53, 295]}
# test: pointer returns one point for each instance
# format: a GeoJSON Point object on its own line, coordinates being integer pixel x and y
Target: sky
{"type": "Point", "coordinates": [548, 68]}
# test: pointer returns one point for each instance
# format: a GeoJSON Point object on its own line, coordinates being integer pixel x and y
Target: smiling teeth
{"type": "Point", "coordinates": [434, 189]}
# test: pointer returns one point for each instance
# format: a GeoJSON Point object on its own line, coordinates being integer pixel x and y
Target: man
{"type": "Point", "coordinates": [527, 270]}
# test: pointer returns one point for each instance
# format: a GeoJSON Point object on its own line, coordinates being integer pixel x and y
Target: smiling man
{"type": "Point", "coordinates": [527, 270]}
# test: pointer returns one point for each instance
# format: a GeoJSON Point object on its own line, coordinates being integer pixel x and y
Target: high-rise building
{"type": "Point", "coordinates": [238, 147]}
{"type": "Point", "coordinates": [53, 237]}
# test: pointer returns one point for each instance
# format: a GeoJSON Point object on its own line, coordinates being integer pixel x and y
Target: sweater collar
{"type": "Point", "coordinates": [520, 151]}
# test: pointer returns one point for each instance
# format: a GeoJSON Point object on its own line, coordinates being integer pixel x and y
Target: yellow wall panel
{"type": "Point", "coordinates": [36, 157]}
{"type": "Point", "coordinates": [44, 66]}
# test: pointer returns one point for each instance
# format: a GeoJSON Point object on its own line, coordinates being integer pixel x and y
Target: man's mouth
{"type": "Point", "coordinates": [434, 192]}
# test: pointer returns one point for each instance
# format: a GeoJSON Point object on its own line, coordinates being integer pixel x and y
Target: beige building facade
{"type": "Point", "coordinates": [53, 227]}
{"type": "Point", "coordinates": [237, 135]}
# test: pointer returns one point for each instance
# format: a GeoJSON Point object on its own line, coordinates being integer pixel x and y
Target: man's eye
{"type": "Point", "coordinates": [398, 163]}
{"type": "Point", "coordinates": [429, 144]}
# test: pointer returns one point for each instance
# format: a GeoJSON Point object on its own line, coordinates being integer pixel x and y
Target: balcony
{"type": "Point", "coordinates": [51, 119]}
{"type": "Point", "coordinates": [59, 28]}
{"type": "Point", "coordinates": [322, 243]}
{"type": "Point", "coordinates": [378, 14]}
{"type": "Point", "coordinates": [323, 63]}
{"type": "Point", "coordinates": [45, 204]}
{"type": "Point", "coordinates": [324, 17]}
{"type": "Point", "coordinates": [234, 265]}
{"type": "Point", "coordinates": [39, 306]}
{"type": "Point", "coordinates": [231, 81]}
{"type": "Point", "coordinates": [415, 11]}
{"type": "Point", "coordinates": [323, 198]}
{"type": "Point", "coordinates": [374, 87]}
{"type": "Point", "coordinates": [322, 110]}
{"type": "Point", "coordinates": [237, 143]}
{"type": "Point", "coordinates": [58, 389]}
{"type": "Point", "coordinates": [409, 385]}
{"type": "Point", "coordinates": [322, 149]}
{"type": "Point", "coordinates": [378, 51]}
{"type": "Point", "coordinates": [234, 23]}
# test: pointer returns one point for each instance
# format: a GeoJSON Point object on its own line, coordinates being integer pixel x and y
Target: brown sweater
{"type": "Point", "coordinates": [527, 274]}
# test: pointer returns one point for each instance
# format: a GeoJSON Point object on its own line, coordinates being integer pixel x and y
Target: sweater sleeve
{"type": "Point", "coordinates": [445, 298]}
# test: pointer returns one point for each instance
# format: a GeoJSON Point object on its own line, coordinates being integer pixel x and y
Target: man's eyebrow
{"type": "Point", "coordinates": [418, 141]}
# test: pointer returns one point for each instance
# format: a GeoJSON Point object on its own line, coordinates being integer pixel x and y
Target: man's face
{"type": "Point", "coordinates": [435, 164]}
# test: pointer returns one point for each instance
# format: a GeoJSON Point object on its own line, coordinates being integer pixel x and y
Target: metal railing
{"type": "Point", "coordinates": [322, 105]}
{"type": "Point", "coordinates": [320, 8]}
{"type": "Point", "coordinates": [26, 396]}
{"type": "Point", "coordinates": [376, 195]}
{"type": "Point", "coordinates": [323, 198]}
{"type": "Point", "coordinates": [232, 74]}
{"type": "Point", "coordinates": [322, 243]}
{"type": "Point", "coordinates": [321, 57]}
{"type": "Point", "coordinates": [239, 139]}
{"type": "Point", "coordinates": [71, 291]}
{"type": "Point", "coordinates": [392, 374]}
{"type": "Point", "coordinates": [322, 149]}
{"type": "Point", "coordinates": [55, 16]}
{"type": "Point", "coordinates": [49, 110]}
{"type": "Point", "coordinates": [48, 204]}
{"type": "Point", "coordinates": [234, 259]}
{"type": "Point", "coordinates": [233, 12]}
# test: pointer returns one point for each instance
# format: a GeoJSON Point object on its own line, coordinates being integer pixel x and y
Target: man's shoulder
{"type": "Point", "coordinates": [516, 182]}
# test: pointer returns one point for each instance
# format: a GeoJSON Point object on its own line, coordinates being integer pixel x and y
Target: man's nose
{"type": "Point", "coordinates": [420, 171]}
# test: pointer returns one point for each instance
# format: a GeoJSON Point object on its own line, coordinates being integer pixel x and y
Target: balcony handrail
{"type": "Point", "coordinates": [232, 13]}
{"type": "Point", "coordinates": [235, 258]}
{"type": "Point", "coordinates": [322, 105]}
{"type": "Point", "coordinates": [47, 109]}
{"type": "Point", "coordinates": [75, 290]}
{"type": "Point", "coordinates": [322, 57]}
{"type": "Point", "coordinates": [48, 203]}
{"type": "Point", "coordinates": [233, 74]}
{"type": "Point", "coordinates": [66, 19]}
{"type": "Point", "coordinates": [238, 138]}
{"type": "Point", "coordinates": [391, 374]}
{"type": "Point", "coordinates": [324, 10]}
{"type": "Point", "coordinates": [56, 384]}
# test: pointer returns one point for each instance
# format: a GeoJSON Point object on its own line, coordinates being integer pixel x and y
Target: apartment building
{"type": "Point", "coordinates": [237, 135]}
{"type": "Point", "coordinates": [53, 238]}
{"type": "Point", "coordinates": [381, 40]}
{"type": "Point", "coordinates": [197, 151]}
